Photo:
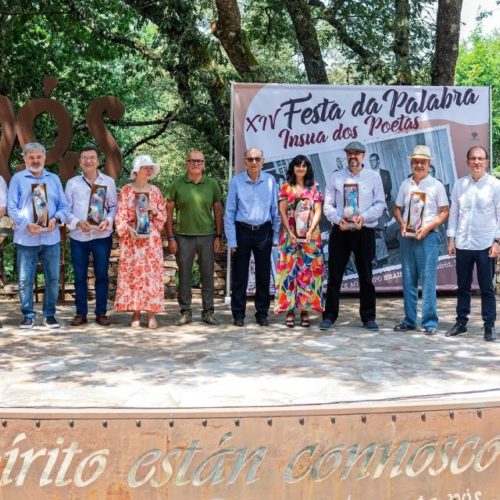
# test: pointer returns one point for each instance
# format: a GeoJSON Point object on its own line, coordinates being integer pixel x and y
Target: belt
{"type": "Point", "coordinates": [251, 227]}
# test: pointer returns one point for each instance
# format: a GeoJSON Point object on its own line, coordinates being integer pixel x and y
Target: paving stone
{"type": "Point", "coordinates": [200, 365]}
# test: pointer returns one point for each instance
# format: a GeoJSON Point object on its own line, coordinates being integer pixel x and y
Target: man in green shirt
{"type": "Point", "coordinates": [197, 201]}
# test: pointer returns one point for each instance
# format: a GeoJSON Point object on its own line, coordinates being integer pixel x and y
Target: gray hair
{"type": "Point", "coordinates": [33, 146]}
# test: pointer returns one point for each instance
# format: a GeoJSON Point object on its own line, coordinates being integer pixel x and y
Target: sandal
{"type": "Point", "coordinates": [304, 320]}
{"type": "Point", "coordinates": [290, 320]}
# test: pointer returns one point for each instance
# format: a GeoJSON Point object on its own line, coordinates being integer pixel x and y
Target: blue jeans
{"type": "Point", "coordinates": [419, 260]}
{"type": "Point", "coordinates": [100, 249]}
{"type": "Point", "coordinates": [27, 259]}
{"type": "Point", "coordinates": [485, 267]}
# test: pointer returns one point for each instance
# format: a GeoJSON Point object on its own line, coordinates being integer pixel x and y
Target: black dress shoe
{"type": "Point", "coordinates": [456, 329]}
{"type": "Point", "coordinates": [262, 322]}
{"type": "Point", "coordinates": [489, 334]}
{"type": "Point", "coordinates": [239, 322]}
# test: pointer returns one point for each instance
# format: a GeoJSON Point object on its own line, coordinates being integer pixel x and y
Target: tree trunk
{"type": "Point", "coordinates": [228, 30]}
{"type": "Point", "coordinates": [447, 40]}
{"type": "Point", "coordinates": [402, 42]}
{"type": "Point", "coordinates": [308, 41]}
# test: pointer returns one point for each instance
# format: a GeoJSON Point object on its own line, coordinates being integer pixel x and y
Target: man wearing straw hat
{"type": "Point", "coordinates": [421, 207]}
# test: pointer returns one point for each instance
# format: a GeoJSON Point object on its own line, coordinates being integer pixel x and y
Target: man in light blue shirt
{"type": "Point", "coordinates": [36, 204]}
{"type": "Point", "coordinates": [252, 224]}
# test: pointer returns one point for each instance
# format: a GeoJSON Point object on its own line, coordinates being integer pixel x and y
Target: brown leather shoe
{"type": "Point", "coordinates": [102, 320]}
{"type": "Point", "coordinates": [78, 320]}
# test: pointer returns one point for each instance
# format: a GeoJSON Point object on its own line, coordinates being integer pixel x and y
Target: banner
{"type": "Point", "coordinates": [319, 121]}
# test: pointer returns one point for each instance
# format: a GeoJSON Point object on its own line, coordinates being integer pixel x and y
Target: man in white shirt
{"type": "Point", "coordinates": [354, 221]}
{"type": "Point", "coordinates": [474, 237]}
{"type": "Point", "coordinates": [425, 205]}
{"type": "Point", "coordinates": [92, 204]}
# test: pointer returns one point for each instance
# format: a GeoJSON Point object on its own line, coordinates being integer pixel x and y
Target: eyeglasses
{"type": "Point", "coordinates": [196, 162]}
{"type": "Point", "coordinates": [88, 158]}
{"type": "Point", "coordinates": [477, 158]}
{"type": "Point", "coordinates": [419, 162]}
{"type": "Point", "coordinates": [257, 159]}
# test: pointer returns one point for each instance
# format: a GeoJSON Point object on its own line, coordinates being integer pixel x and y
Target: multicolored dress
{"type": "Point", "coordinates": [300, 267]}
{"type": "Point", "coordinates": [140, 269]}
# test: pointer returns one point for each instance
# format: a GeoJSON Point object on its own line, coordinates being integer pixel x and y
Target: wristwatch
{"type": "Point", "coordinates": [218, 236]}
{"type": "Point", "coordinates": [171, 238]}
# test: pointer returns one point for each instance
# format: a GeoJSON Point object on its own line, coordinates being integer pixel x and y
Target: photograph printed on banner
{"type": "Point", "coordinates": [390, 158]}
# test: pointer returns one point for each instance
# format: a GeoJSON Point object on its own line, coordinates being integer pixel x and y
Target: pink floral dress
{"type": "Point", "coordinates": [140, 270]}
{"type": "Point", "coordinates": [300, 267]}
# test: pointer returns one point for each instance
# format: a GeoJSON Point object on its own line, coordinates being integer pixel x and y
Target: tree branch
{"type": "Point", "coordinates": [371, 60]}
{"type": "Point", "coordinates": [308, 41]}
{"type": "Point", "coordinates": [121, 40]}
{"type": "Point", "coordinates": [227, 28]}
{"type": "Point", "coordinates": [402, 42]}
{"type": "Point", "coordinates": [166, 121]}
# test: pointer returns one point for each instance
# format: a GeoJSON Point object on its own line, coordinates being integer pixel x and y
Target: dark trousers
{"type": "Point", "coordinates": [485, 267]}
{"type": "Point", "coordinates": [100, 249]}
{"type": "Point", "coordinates": [340, 245]}
{"type": "Point", "coordinates": [260, 243]}
{"type": "Point", "coordinates": [188, 247]}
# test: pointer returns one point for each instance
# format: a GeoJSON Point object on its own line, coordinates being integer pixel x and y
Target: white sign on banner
{"type": "Point", "coordinates": [319, 121]}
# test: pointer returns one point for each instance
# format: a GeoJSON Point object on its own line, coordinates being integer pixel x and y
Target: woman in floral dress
{"type": "Point", "coordinates": [300, 264]}
{"type": "Point", "coordinates": [140, 270]}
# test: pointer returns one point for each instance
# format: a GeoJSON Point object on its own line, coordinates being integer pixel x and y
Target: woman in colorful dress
{"type": "Point", "coordinates": [140, 270]}
{"type": "Point", "coordinates": [300, 264]}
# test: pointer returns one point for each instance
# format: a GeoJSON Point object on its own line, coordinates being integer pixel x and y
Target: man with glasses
{"type": "Point", "coordinates": [36, 203]}
{"type": "Point", "coordinates": [425, 204]}
{"type": "Point", "coordinates": [474, 238]}
{"type": "Point", "coordinates": [356, 236]}
{"type": "Point", "coordinates": [91, 224]}
{"type": "Point", "coordinates": [196, 199]}
{"type": "Point", "coordinates": [252, 224]}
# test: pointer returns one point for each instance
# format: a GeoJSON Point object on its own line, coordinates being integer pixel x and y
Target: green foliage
{"type": "Point", "coordinates": [479, 64]}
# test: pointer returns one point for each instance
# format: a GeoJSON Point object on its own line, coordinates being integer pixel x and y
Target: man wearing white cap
{"type": "Point", "coordinates": [90, 233]}
{"type": "Point", "coordinates": [421, 207]}
{"type": "Point", "coordinates": [196, 199]}
{"type": "Point", "coordinates": [354, 224]}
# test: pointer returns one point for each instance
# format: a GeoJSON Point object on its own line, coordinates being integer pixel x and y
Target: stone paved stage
{"type": "Point", "coordinates": [225, 366]}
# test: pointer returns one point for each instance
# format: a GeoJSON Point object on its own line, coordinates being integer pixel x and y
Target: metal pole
{"type": "Point", "coordinates": [227, 298]}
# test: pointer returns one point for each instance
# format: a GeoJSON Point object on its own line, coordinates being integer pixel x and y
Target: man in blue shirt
{"type": "Point", "coordinates": [36, 204]}
{"type": "Point", "coordinates": [252, 225]}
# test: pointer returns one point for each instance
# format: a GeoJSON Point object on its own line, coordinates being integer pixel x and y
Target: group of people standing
{"type": "Point", "coordinates": [255, 214]}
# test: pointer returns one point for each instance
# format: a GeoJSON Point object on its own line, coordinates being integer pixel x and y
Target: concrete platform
{"type": "Point", "coordinates": [199, 366]}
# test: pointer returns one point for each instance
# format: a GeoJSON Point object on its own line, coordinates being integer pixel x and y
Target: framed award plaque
{"type": "Point", "coordinates": [142, 223]}
{"type": "Point", "coordinates": [97, 202]}
{"type": "Point", "coordinates": [351, 203]}
{"type": "Point", "coordinates": [40, 204]}
{"type": "Point", "coordinates": [415, 216]}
